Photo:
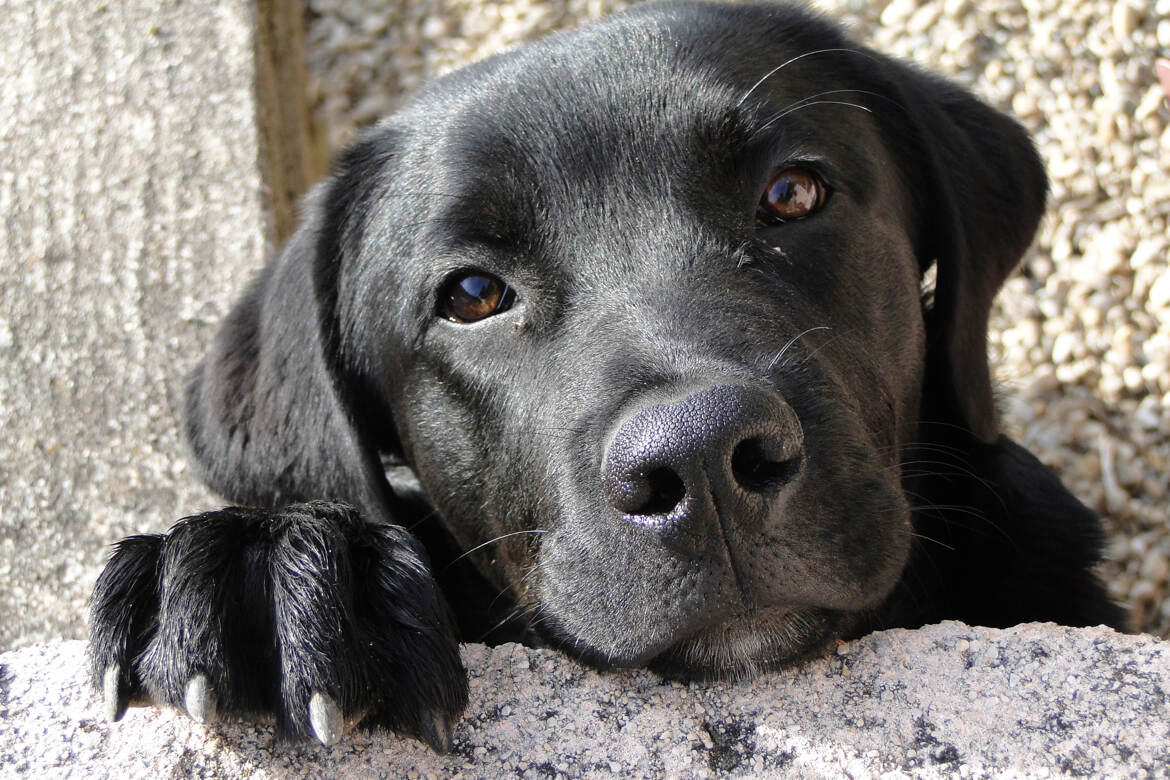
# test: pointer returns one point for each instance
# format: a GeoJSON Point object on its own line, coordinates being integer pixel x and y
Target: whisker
{"type": "Point", "coordinates": [942, 424]}
{"type": "Point", "coordinates": [812, 100]}
{"type": "Point", "coordinates": [512, 615]}
{"type": "Point", "coordinates": [926, 473]}
{"type": "Point", "coordinates": [926, 445]}
{"type": "Point", "coordinates": [929, 447]}
{"type": "Point", "coordinates": [515, 588]}
{"type": "Point", "coordinates": [956, 469]}
{"type": "Point", "coordinates": [963, 471]}
{"type": "Point", "coordinates": [796, 108]}
{"type": "Point", "coordinates": [538, 615]}
{"type": "Point", "coordinates": [958, 509]}
{"type": "Point", "coordinates": [490, 541]}
{"type": "Point", "coordinates": [798, 57]}
{"type": "Point", "coordinates": [428, 516]}
{"type": "Point", "coordinates": [819, 347]}
{"type": "Point", "coordinates": [791, 341]}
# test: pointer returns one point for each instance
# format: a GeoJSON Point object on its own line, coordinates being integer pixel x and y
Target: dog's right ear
{"type": "Point", "coordinates": [271, 414]}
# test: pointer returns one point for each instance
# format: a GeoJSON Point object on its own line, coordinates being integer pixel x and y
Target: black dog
{"type": "Point", "coordinates": [635, 317]}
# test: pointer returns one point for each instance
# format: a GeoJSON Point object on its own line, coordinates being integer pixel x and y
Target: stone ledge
{"type": "Point", "coordinates": [153, 154]}
{"type": "Point", "coordinates": [1032, 700]}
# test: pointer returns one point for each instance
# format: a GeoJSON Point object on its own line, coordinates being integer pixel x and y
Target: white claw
{"type": "Point", "coordinates": [325, 719]}
{"type": "Point", "coordinates": [199, 699]}
{"type": "Point", "coordinates": [112, 696]}
{"type": "Point", "coordinates": [439, 733]}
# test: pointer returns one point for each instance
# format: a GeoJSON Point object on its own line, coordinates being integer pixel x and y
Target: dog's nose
{"type": "Point", "coordinates": [673, 464]}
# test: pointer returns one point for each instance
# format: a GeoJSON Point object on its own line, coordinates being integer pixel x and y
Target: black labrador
{"type": "Point", "coordinates": [622, 342]}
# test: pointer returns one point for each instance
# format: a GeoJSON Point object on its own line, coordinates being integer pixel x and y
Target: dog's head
{"type": "Point", "coordinates": [643, 303]}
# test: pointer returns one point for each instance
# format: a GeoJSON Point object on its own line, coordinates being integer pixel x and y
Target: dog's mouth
{"type": "Point", "coordinates": [745, 646]}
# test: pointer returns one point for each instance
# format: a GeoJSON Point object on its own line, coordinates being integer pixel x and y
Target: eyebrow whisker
{"type": "Point", "coordinates": [800, 105]}
{"type": "Point", "coordinates": [784, 65]}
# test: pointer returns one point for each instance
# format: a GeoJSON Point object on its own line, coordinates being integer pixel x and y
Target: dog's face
{"type": "Point", "coordinates": [642, 307]}
{"type": "Point", "coordinates": [677, 334]}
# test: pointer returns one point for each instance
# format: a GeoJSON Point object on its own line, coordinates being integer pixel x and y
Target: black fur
{"type": "Point", "coordinates": [262, 601]}
{"type": "Point", "coordinates": [695, 441]}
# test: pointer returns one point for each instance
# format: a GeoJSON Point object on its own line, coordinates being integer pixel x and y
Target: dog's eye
{"type": "Point", "coordinates": [472, 297]}
{"type": "Point", "coordinates": [794, 193]}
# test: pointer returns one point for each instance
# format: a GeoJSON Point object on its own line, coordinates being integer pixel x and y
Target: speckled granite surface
{"type": "Point", "coordinates": [948, 700]}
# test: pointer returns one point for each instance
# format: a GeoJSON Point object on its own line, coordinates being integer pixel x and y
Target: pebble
{"type": "Point", "coordinates": [1159, 295]}
{"type": "Point", "coordinates": [898, 11]}
{"type": "Point", "coordinates": [1094, 405]}
{"type": "Point", "coordinates": [1125, 19]}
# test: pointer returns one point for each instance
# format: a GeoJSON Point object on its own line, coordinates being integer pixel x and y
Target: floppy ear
{"type": "Point", "coordinates": [271, 414]}
{"type": "Point", "coordinates": [979, 190]}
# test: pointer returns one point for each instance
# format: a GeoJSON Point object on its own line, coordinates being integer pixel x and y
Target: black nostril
{"type": "Point", "coordinates": [756, 471]}
{"type": "Point", "coordinates": [666, 492]}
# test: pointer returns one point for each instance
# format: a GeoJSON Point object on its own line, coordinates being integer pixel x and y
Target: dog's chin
{"type": "Point", "coordinates": [747, 645]}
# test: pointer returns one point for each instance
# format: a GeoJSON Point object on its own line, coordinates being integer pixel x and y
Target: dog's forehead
{"type": "Point", "coordinates": [614, 93]}
{"type": "Point", "coordinates": [654, 103]}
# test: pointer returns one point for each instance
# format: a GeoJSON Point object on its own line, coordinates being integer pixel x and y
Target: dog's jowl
{"type": "Point", "coordinates": [620, 343]}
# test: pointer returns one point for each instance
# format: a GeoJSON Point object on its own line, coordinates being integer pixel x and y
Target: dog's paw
{"type": "Point", "coordinates": [307, 612]}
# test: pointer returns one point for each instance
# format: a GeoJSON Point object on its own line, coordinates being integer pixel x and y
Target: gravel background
{"type": "Point", "coordinates": [1081, 337]}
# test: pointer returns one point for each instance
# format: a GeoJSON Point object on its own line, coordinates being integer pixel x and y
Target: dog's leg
{"type": "Point", "coordinates": [307, 611]}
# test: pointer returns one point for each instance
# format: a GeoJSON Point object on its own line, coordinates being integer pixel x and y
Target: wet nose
{"type": "Point", "coordinates": [670, 464]}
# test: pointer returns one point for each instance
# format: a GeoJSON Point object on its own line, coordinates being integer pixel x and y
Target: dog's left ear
{"type": "Point", "coordinates": [979, 190]}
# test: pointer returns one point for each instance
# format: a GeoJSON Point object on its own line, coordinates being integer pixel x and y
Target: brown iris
{"type": "Point", "coordinates": [792, 194]}
{"type": "Point", "coordinates": [475, 296]}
